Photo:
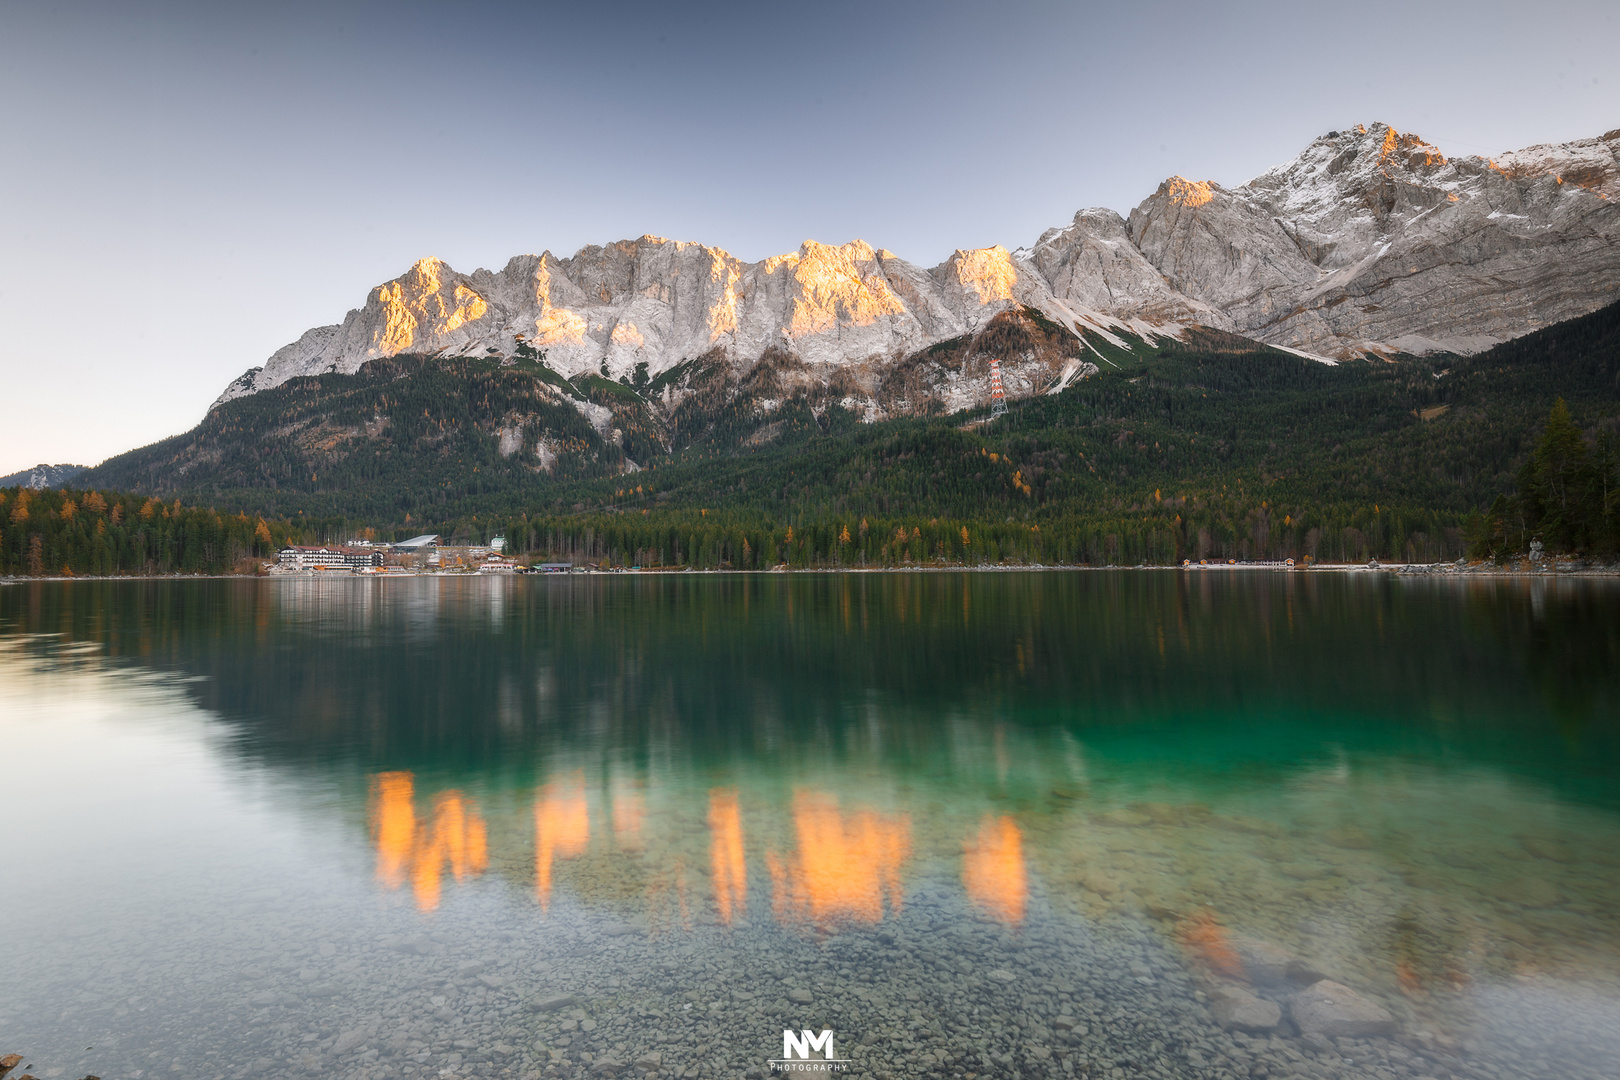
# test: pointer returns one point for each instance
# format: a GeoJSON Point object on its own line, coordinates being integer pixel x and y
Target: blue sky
{"type": "Point", "coordinates": [187, 187]}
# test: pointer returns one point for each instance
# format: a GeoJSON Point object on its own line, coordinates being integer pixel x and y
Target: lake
{"type": "Point", "coordinates": [1067, 824]}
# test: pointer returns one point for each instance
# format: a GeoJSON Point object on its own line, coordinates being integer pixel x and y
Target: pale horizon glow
{"type": "Point", "coordinates": [191, 186]}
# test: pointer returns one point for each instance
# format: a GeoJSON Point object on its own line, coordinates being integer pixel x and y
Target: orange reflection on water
{"type": "Point", "coordinates": [393, 823]}
{"type": "Point", "coordinates": [629, 811]}
{"type": "Point", "coordinates": [1207, 940]}
{"type": "Point", "coordinates": [562, 828]}
{"type": "Point", "coordinates": [454, 835]}
{"type": "Point", "coordinates": [845, 865]}
{"type": "Point", "coordinates": [993, 869]}
{"type": "Point", "coordinates": [726, 860]}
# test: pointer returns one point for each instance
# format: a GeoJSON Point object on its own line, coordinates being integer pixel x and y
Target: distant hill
{"type": "Point", "coordinates": [41, 477]}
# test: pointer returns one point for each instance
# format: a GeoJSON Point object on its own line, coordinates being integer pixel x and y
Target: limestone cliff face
{"type": "Point", "coordinates": [620, 304]}
{"type": "Point", "coordinates": [1369, 241]}
{"type": "Point", "coordinates": [658, 302]}
{"type": "Point", "coordinates": [1094, 263]}
{"type": "Point", "coordinates": [1373, 241]}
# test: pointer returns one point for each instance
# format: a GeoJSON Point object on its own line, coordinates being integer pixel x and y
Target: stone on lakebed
{"type": "Point", "coordinates": [1334, 1009]}
{"type": "Point", "coordinates": [1235, 1009]}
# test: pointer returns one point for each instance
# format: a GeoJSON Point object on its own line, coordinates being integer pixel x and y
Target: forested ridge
{"type": "Point", "coordinates": [67, 533]}
{"type": "Point", "coordinates": [1215, 448]}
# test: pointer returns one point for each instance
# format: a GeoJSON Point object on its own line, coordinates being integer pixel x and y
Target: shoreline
{"type": "Point", "coordinates": [1437, 570]}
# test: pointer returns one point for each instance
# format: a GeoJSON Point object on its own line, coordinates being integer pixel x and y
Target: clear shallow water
{"type": "Point", "coordinates": [984, 825]}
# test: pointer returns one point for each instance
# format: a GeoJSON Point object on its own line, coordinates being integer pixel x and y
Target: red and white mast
{"type": "Point", "coordinates": [998, 395]}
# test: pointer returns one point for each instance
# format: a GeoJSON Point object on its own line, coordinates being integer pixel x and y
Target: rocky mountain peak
{"type": "Point", "coordinates": [1180, 191]}
{"type": "Point", "coordinates": [1368, 241]}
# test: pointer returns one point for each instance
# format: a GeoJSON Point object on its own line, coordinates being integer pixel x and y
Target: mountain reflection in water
{"type": "Point", "coordinates": [844, 866]}
{"type": "Point", "coordinates": [452, 836]}
{"type": "Point", "coordinates": [1409, 785]}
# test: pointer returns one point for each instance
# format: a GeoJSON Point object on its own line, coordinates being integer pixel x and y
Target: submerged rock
{"type": "Point", "coordinates": [552, 1004]}
{"type": "Point", "coordinates": [1235, 1009]}
{"type": "Point", "coordinates": [1333, 1009]}
{"type": "Point", "coordinates": [1265, 964]}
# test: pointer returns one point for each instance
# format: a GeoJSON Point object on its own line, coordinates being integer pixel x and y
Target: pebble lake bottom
{"type": "Point", "coordinates": [1070, 824]}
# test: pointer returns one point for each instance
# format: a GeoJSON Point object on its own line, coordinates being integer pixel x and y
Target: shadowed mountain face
{"type": "Point", "coordinates": [1370, 240]}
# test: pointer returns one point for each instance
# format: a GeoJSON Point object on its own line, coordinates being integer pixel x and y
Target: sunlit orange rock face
{"type": "Point", "coordinates": [993, 869]}
{"type": "Point", "coordinates": [727, 864]}
{"type": "Point", "coordinates": [425, 303]}
{"type": "Point", "coordinates": [1184, 192]}
{"type": "Point", "coordinates": [845, 866]}
{"type": "Point", "coordinates": [987, 273]}
{"type": "Point", "coordinates": [562, 828]}
{"type": "Point", "coordinates": [453, 837]}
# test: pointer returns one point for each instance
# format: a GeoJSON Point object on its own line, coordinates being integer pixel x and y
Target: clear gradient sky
{"type": "Point", "coordinates": [187, 187]}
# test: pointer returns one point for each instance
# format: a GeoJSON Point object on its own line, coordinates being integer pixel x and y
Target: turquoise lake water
{"type": "Point", "coordinates": [991, 824]}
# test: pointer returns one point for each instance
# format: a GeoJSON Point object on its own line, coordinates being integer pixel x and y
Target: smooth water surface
{"type": "Point", "coordinates": [975, 824]}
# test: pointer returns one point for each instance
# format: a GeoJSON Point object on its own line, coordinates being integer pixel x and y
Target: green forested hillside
{"type": "Point", "coordinates": [51, 533]}
{"type": "Point", "coordinates": [1212, 448]}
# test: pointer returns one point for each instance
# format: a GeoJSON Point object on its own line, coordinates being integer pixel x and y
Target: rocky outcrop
{"type": "Point", "coordinates": [1094, 263]}
{"type": "Point", "coordinates": [1370, 241]}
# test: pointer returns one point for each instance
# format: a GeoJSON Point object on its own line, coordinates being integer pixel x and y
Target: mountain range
{"type": "Point", "coordinates": [1204, 345]}
{"type": "Point", "coordinates": [43, 477]}
{"type": "Point", "coordinates": [1370, 242]}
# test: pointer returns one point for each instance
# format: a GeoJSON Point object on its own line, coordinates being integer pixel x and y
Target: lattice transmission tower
{"type": "Point", "coordinates": [998, 395]}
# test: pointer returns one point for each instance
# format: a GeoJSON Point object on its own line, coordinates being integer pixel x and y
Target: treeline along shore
{"type": "Point", "coordinates": [1567, 501]}
{"type": "Point", "coordinates": [101, 533]}
{"type": "Point", "coordinates": [75, 533]}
